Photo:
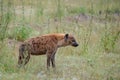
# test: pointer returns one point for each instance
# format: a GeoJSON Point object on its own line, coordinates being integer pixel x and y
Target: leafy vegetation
{"type": "Point", "coordinates": [20, 33]}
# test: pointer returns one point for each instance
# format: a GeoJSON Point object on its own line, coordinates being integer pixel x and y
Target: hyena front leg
{"type": "Point", "coordinates": [48, 60]}
{"type": "Point", "coordinates": [53, 59]}
{"type": "Point", "coordinates": [50, 57]}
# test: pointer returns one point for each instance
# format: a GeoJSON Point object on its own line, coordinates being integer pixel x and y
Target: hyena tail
{"type": "Point", "coordinates": [24, 56]}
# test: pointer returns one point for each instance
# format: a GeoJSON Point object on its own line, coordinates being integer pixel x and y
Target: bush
{"type": "Point", "coordinates": [20, 33]}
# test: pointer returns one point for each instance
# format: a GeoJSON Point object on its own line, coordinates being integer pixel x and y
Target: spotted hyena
{"type": "Point", "coordinates": [46, 44]}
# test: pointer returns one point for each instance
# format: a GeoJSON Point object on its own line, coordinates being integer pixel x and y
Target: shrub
{"type": "Point", "coordinates": [20, 33]}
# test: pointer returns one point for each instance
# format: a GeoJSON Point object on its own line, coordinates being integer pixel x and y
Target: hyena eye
{"type": "Point", "coordinates": [73, 40]}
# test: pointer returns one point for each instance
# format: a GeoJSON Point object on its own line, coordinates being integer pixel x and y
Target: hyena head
{"type": "Point", "coordinates": [70, 40]}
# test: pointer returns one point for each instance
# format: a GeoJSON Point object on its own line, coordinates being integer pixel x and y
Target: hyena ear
{"type": "Point", "coordinates": [66, 37]}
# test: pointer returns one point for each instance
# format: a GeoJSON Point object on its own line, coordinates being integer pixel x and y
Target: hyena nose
{"type": "Point", "coordinates": [75, 44]}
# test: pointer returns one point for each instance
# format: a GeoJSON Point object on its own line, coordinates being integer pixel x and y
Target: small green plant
{"type": "Point", "coordinates": [77, 10]}
{"type": "Point", "coordinates": [108, 41]}
{"type": "Point", "coordinates": [20, 33]}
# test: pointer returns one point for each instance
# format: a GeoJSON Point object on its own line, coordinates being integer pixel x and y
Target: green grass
{"type": "Point", "coordinates": [95, 25]}
{"type": "Point", "coordinates": [77, 10]}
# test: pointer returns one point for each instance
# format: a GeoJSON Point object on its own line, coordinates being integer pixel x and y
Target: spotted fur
{"type": "Point", "coordinates": [46, 44]}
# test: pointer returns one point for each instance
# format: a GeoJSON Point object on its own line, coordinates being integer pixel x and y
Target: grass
{"type": "Point", "coordinates": [95, 25]}
{"type": "Point", "coordinates": [98, 66]}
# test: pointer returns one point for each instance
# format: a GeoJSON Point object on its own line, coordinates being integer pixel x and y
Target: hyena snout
{"type": "Point", "coordinates": [75, 44]}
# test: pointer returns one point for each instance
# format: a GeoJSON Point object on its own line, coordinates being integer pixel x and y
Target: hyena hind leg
{"type": "Point", "coordinates": [24, 55]}
{"type": "Point", "coordinates": [23, 61]}
{"type": "Point", "coordinates": [27, 59]}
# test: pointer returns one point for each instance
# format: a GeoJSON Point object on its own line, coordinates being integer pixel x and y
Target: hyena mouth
{"type": "Point", "coordinates": [75, 44]}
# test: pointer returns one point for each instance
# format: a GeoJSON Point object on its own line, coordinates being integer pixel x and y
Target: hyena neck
{"type": "Point", "coordinates": [61, 40]}
{"type": "Point", "coordinates": [60, 43]}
